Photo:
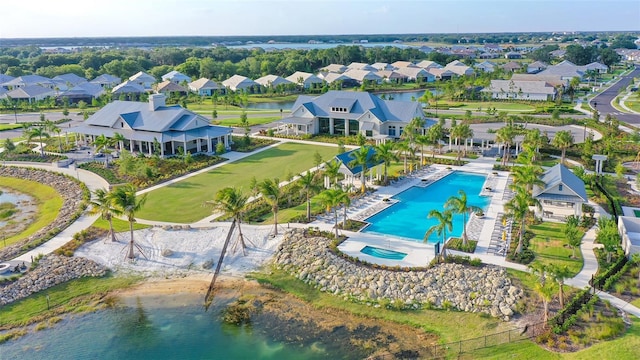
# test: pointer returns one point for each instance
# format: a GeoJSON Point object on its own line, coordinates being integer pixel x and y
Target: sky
{"type": "Point", "coordinates": [96, 18]}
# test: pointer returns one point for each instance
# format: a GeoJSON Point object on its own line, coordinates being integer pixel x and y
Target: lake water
{"type": "Point", "coordinates": [287, 105]}
{"type": "Point", "coordinates": [181, 330]}
{"type": "Point", "coordinates": [11, 196]}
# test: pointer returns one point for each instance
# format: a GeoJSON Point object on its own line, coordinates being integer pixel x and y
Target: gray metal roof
{"type": "Point", "coordinates": [70, 78]}
{"type": "Point", "coordinates": [517, 86]}
{"type": "Point", "coordinates": [203, 84]}
{"type": "Point", "coordinates": [27, 80]}
{"type": "Point", "coordinates": [238, 82]}
{"type": "Point", "coordinates": [29, 92]}
{"type": "Point", "coordinates": [385, 110]}
{"type": "Point", "coordinates": [128, 87]}
{"type": "Point", "coordinates": [83, 90]}
{"type": "Point", "coordinates": [272, 80]}
{"type": "Point", "coordinates": [559, 174]}
{"type": "Point", "coordinates": [106, 79]}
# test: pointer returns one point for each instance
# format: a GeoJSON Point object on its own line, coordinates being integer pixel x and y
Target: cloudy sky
{"type": "Point", "coordinates": [79, 18]}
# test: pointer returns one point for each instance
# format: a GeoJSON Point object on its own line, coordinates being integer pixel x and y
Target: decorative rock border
{"type": "Point", "coordinates": [74, 195]}
{"type": "Point", "coordinates": [52, 270]}
{"type": "Point", "coordinates": [487, 289]}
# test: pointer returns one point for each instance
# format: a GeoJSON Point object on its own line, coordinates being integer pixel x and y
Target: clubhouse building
{"type": "Point", "coordinates": [352, 113]}
{"type": "Point", "coordinates": [143, 124]}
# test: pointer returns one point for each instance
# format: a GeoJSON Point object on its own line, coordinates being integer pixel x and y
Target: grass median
{"type": "Point", "coordinates": [185, 201]}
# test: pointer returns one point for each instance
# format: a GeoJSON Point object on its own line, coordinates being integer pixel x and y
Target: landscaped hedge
{"type": "Point", "coordinates": [567, 316]}
{"type": "Point", "coordinates": [80, 238]}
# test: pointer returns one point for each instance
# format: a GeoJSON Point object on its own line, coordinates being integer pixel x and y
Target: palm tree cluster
{"type": "Point", "coordinates": [122, 200]}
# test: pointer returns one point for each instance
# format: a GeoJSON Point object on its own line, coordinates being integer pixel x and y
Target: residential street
{"type": "Point", "coordinates": [602, 102]}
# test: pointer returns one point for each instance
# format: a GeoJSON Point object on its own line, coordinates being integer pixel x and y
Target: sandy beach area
{"type": "Point", "coordinates": [180, 253]}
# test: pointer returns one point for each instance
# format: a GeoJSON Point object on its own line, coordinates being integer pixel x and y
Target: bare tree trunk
{"type": "Point", "coordinates": [111, 232]}
{"type": "Point", "coordinates": [131, 254]}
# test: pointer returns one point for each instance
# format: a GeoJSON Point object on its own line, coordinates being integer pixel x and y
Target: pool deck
{"type": "Point", "coordinates": [421, 254]}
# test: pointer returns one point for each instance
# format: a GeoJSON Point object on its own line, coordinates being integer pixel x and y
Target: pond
{"type": "Point", "coordinates": [11, 199]}
{"type": "Point", "coordinates": [287, 105]}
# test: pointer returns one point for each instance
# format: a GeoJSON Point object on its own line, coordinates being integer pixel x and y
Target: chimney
{"type": "Point", "coordinates": [155, 101]}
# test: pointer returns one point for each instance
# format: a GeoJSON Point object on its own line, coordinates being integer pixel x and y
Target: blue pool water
{"type": "Point", "coordinates": [408, 217]}
{"type": "Point", "coordinates": [383, 253]}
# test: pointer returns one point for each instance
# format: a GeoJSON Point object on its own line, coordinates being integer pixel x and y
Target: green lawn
{"type": "Point", "coordinates": [550, 246]}
{"type": "Point", "coordinates": [500, 106]}
{"type": "Point", "coordinates": [49, 204]}
{"type": "Point", "coordinates": [4, 127]}
{"type": "Point", "coordinates": [633, 104]}
{"type": "Point", "coordinates": [118, 225]}
{"type": "Point", "coordinates": [624, 347]}
{"type": "Point", "coordinates": [184, 202]}
{"type": "Point", "coordinates": [20, 312]}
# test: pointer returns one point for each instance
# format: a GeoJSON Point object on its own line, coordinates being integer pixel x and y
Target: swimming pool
{"type": "Point", "coordinates": [383, 253]}
{"type": "Point", "coordinates": [408, 217]}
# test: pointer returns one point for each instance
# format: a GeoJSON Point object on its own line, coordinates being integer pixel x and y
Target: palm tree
{"type": "Point", "coordinates": [560, 274]}
{"type": "Point", "coordinates": [332, 170]}
{"type": "Point", "coordinates": [445, 222]}
{"type": "Point", "coordinates": [39, 132]}
{"type": "Point", "coordinates": [434, 134]}
{"type": "Point", "coordinates": [527, 176]}
{"type": "Point", "coordinates": [505, 135]}
{"type": "Point", "coordinates": [331, 199]}
{"type": "Point", "coordinates": [270, 189]}
{"type": "Point", "coordinates": [422, 140]}
{"type": "Point", "coordinates": [533, 140]}
{"type": "Point", "coordinates": [309, 185]}
{"type": "Point", "coordinates": [103, 205]}
{"type": "Point", "coordinates": [563, 140]}
{"type": "Point", "coordinates": [465, 132]}
{"type": "Point", "coordinates": [361, 158]}
{"type": "Point", "coordinates": [404, 147]}
{"type": "Point", "coordinates": [232, 202]}
{"type": "Point", "coordinates": [545, 291]}
{"type": "Point", "coordinates": [456, 134]}
{"type": "Point", "coordinates": [460, 205]}
{"type": "Point", "coordinates": [385, 153]}
{"type": "Point", "coordinates": [102, 144]}
{"type": "Point", "coordinates": [118, 139]}
{"type": "Point", "coordinates": [128, 203]}
{"type": "Point", "coordinates": [518, 207]}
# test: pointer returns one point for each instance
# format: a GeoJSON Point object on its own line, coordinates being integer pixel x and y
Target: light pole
{"type": "Point", "coordinates": [15, 111]}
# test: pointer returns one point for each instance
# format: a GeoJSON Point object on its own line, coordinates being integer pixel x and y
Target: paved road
{"type": "Point", "coordinates": [602, 102]}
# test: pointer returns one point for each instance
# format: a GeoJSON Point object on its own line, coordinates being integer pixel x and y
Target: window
{"type": "Point", "coordinates": [392, 131]}
{"type": "Point", "coordinates": [369, 133]}
{"type": "Point", "coordinates": [121, 124]}
{"type": "Point", "coordinates": [560, 187]}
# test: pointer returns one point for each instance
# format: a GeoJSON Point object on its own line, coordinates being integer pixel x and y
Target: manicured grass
{"type": "Point", "coordinates": [4, 127]}
{"type": "Point", "coordinates": [624, 347]}
{"type": "Point", "coordinates": [500, 106]}
{"type": "Point", "coordinates": [185, 201]}
{"type": "Point", "coordinates": [551, 246]}
{"type": "Point", "coordinates": [49, 204]}
{"type": "Point", "coordinates": [118, 225]}
{"type": "Point", "coordinates": [633, 104]}
{"type": "Point", "coordinates": [22, 311]}
{"type": "Point", "coordinates": [448, 325]}
{"type": "Point", "coordinates": [251, 120]}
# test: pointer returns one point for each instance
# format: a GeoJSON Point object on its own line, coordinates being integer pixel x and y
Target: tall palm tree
{"type": "Point", "coordinates": [309, 182]}
{"type": "Point", "coordinates": [422, 140]}
{"type": "Point", "coordinates": [434, 134]}
{"type": "Point", "coordinates": [232, 202]}
{"type": "Point", "coordinates": [102, 144]}
{"type": "Point", "coordinates": [545, 291]}
{"type": "Point", "coordinates": [361, 157]}
{"type": "Point", "coordinates": [270, 190]}
{"type": "Point", "coordinates": [518, 207]}
{"type": "Point", "coordinates": [404, 148]}
{"type": "Point", "coordinates": [466, 132]}
{"type": "Point", "coordinates": [126, 200]}
{"type": "Point", "coordinates": [560, 273]}
{"type": "Point", "coordinates": [118, 139]}
{"type": "Point", "coordinates": [460, 205]}
{"type": "Point", "coordinates": [533, 140]}
{"type": "Point", "coordinates": [330, 199]}
{"type": "Point", "coordinates": [526, 176]}
{"type": "Point", "coordinates": [103, 205]}
{"type": "Point", "coordinates": [563, 140]}
{"type": "Point", "coordinates": [445, 222]}
{"type": "Point", "coordinates": [506, 135]}
{"type": "Point", "coordinates": [345, 201]}
{"type": "Point", "coordinates": [456, 135]}
{"type": "Point", "coordinates": [385, 153]}
{"type": "Point", "coordinates": [37, 132]}
{"type": "Point", "coordinates": [332, 170]}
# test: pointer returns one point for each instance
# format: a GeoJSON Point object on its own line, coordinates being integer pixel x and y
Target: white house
{"type": "Point", "coordinates": [485, 66]}
{"type": "Point", "coordinates": [535, 90]}
{"type": "Point", "coordinates": [629, 229]}
{"type": "Point", "coordinates": [238, 83]}
{"type": "Point", "coordinates": [143, 79]}
{"type": "Point", "coordinates": [416, 74]}
{"type": "Point", "coordinates": [204, 87]}
{"type": "Point", "coordinates": [335, 68]}
{"type": "Point", "coordinates": [29, 80]}
{"type": "Point", "coordinates": [175, 77]}
{"type": "Point", "coordinates": [29, 93]}
{"type": "Point", "coordinates": [362, 76]}
{"type": "Point", "coordinates": [563, 192]}
{"type": "Point", "coordinates": [305, 79]}
{"type": "Point", "coordinates": [273, 81]}
{"type": "Point", "coordinates": [106, 80]}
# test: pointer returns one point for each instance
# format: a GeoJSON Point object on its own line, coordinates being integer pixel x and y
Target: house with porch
{"type": "Point", "coordinates": [143, 79]}
{"type": "Point", "coordinates": [145, 124]}
{"type": "Point", "coordinates": [239, 83]}
{"type": "Point", "coordinates": [82, 92]}
{"type": "Point", "coordinates": [106, 80]}
{"type": "Point", "coordinates": [169, 88]}
{"type": "Point", "coordinates": [562, 194]}
{"type": "Point", "coordinates": [305, 80]}
{"type": "Point", "coordinates": [351, 113]}
{"type": "Point", "coordinates": [272, 81]}
{"type": "Point", "coordinates": [30, 93]}
{"type": "Point", "coordinates": [176, 77]}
